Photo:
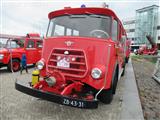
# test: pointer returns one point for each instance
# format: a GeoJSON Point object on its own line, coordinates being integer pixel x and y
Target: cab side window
{"type": "Point", "coordinates": [115, 31]}
{"type": "Point", "coordinates": [39, 44]}
{"type": "Point", "coordinates": [30, 44]}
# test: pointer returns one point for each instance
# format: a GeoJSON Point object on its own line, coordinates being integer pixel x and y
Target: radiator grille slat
{"type": "Point", "coordinates": [77, 67]}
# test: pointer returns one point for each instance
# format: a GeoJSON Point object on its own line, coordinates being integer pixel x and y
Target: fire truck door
{"type": "Point", "coordinates": [121, 51]}
{"type": "Point", "coordinates": [31, 52]}
{"type": "Point", "coordinates": [116, 38]}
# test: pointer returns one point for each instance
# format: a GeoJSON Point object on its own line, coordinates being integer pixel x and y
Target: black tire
{"type": "Point", "coordinates": [126, 60]}
{"type": "Point", "coordinates": [15, 68]}
{"type": "Point", "coordinates": [106, 96]}
{"type": "Point", "coordinates": [136, 53]}
{"type": "Point", "coordinates": [115, 81]}
{"type": "Point", "coordinates": [123, 73]}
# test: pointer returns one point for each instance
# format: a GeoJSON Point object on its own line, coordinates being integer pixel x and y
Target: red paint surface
{"type": "Point", "coordinates": [94, 53]}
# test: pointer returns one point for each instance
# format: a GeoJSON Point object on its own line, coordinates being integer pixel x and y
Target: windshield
{"type": "Point", "coordinates": [15, 43]}
{"type": "Point", "coordinates": [80, 25]}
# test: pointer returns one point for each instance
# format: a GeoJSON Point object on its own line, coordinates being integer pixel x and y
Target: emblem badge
{"type": "Point", "coordinates": [69, 43]}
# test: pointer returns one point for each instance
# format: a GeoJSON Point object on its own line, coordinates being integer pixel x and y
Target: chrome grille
{"type": "Point", "coordinates": [77, 67]}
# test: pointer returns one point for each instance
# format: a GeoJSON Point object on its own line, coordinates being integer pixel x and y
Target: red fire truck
{"type": "Point", "coordinates": [145, 50]}
{"type": "Point", "coordinates": [82, 60]}
{"type": "Point", "coordinates": [11, 54]}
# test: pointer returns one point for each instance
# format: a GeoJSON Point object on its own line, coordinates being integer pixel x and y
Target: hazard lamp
{"type": "Point", "coordinates": [1, 56]}
{"type": "Point", "coordinates": [83, 6]}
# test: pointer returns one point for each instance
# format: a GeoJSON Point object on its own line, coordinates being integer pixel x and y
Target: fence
{"type": "Point", "coordinates": [156, 73]}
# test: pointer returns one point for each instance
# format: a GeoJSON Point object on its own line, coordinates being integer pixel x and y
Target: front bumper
{"type": "Point", "coordinates": [2, 64]}
{"type": "Point", "coordinates": [74, 102]}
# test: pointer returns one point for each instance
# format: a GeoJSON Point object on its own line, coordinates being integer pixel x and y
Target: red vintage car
{"type": "Point", "coordinates": [83, 58]}
{"type": "Point", "coordinates": [11, 54]}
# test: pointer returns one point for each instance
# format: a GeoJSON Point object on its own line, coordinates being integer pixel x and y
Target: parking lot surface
{"type": "Point", "coordinates": [15, 105]}
{"type": "Point", "coordinates": [19, 106]}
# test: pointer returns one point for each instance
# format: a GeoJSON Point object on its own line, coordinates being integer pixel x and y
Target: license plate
{"type": "Point", "coordinates": [73, 103]}
{"type": "Point", "coordinates": [63, 63]}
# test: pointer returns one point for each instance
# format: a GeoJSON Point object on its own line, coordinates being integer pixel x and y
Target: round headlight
{"type": "Point", "coordinates": [1, 56]}
{"type": "Point", "coordinates": [40, 65]}
{"type": "Point", "coordinates": [96, 73]}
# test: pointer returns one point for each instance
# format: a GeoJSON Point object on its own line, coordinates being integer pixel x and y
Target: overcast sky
{"type": "Point", "coordinates": [19, 17]}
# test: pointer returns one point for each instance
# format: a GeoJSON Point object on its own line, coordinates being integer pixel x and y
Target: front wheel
{"type": "Point", "coordinates": [123, 72]}
{"type": "Point", "coordinates": [15, 65]}
{"type": "Point", "coordinates": [126, 59]}
{"type": "Point", "coordinates": [106, 96]}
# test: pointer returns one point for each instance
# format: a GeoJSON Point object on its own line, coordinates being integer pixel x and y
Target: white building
{"type": "Point", "coordinates": [158, 31]}
{"type": "Point", "coordinates": [129, 25]}
{"type": "Point", "coordinates": [134, 33]}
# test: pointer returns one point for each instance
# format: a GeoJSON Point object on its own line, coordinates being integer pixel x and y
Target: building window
{"type": "Point", "coordinates": [127, 30]}
{"type": "Point", "coordinates": [158, 37]}
{"type": "Point", "coordinates": [132, 30]}
{"type": "Point", "coordinates": [158, 27]}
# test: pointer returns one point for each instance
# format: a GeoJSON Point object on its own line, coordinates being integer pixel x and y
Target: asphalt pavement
{"type": "Point", "coordinates": [15, 105]}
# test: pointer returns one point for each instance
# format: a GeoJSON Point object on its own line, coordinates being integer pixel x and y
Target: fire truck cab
{"type": "Point", "coordinates": [11, 54]}
{"type": "Point", "coordinates": [83, 58]}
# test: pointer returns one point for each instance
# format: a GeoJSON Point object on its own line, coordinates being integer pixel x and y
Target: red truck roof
{"type": "Point", "coordinates": [29, 35]}
{"type": "Point", "coordinates": [102, 11]}
{"type": "Point", "coordinates": [33, 35]}
{"type": "Point", "coordinates": [7, 36]}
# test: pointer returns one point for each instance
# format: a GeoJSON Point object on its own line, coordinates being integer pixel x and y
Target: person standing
{"type": "Point", "coordinates": [24, 63]}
